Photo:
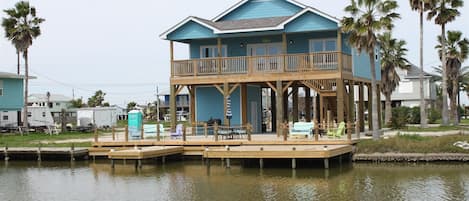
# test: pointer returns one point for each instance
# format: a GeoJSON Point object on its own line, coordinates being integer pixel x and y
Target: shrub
{"type": "Point", "coordinates": [400, 117]}
{"type": "Point", "coordinates": [415, 115]}
{"type": "Point", "coordinates": [433, 115]}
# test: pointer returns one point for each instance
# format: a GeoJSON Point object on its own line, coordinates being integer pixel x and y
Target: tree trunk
{"type": "Point", "coordinates": [18, 62]}
{"type": "Point", "coordinates": [444, 83]}
{"type": "Point", "coordinates": [388, 109]}
{"type": "Point", "coordinates": [374, 104]}
{"type": "Point", "coordinates": [26, 82]}
{"type": "Point", "coordinates": [423, 114]}
{"type": "Point", "coordinates": [454, 104]}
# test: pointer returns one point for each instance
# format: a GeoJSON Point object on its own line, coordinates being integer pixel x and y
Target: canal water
{"type": "Point", "coordinates": [192, 180]}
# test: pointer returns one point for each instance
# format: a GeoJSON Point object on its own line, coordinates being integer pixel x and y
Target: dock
{"type": "Point", "coordinates": [41, 153]}
{"type": "Point", "coordinates": [293, 152]}
{"type": "Point", "coordinates": [141, 153]}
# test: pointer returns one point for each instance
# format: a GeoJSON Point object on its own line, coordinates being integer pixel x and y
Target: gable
{"type": "Point", "coordinates": [262, 9]}
{"type": "Point", "coordinates": [310, 21]}
{"type": "Point", "coordinates": [191, 30]}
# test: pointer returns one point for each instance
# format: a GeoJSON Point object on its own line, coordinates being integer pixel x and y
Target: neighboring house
{"type": "Point", "coordinates": [11, 99]}
{"type": "Point", "coordinates": [408, 92]}
{"type": "Point", "coordinates": [182, 107]}
{"type": "Point", "coordinates": [120, 112]}
{"type": "Point", "coordinates": [277, 45]}
{"type": "Point", "coordinates": [55, 103]}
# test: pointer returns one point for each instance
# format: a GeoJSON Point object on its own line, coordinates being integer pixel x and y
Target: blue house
{"type": "Point", "coordinates": [11, 99]}
{"type": "Point", "coordinates": [282, 46]}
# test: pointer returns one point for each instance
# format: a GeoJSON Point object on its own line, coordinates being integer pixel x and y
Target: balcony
{"type": "Point", "coordinates": [251, 65]}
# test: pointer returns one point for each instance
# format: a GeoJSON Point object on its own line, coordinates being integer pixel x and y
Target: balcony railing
{"type": "Point", "coordinates": [323, 61]}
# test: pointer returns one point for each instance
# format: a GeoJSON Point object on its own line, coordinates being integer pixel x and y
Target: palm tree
{"type": "Point", "coordinates": [21, 27]}
{"type": "Point", "coordinates": [421, 6]}
{"type": "Point", "coordinates": [444, 11]}
{"type": "Point", "coordinates": [368, 18]}
{"type": "Point", "coordinates": [392, 57]}
{"type": "Point", "coordinates": [457, 50]}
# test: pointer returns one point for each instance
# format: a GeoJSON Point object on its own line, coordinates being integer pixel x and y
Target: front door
{"type": "Point", "coordinates": [265, 57]}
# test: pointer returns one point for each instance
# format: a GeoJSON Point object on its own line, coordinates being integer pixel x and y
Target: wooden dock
{"type": "Point", "coordinates": [145, 152]}
{"type": "Point", "coordinates": [41, 153]}
{"type": "Point", "coordinates": [294, 152]}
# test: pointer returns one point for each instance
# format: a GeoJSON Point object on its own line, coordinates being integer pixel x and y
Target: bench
{"type": "Point", "coordinates": [301, 129]}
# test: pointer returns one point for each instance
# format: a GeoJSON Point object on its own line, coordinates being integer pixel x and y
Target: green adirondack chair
{"type": "Point", "coordinates": [337, 132]}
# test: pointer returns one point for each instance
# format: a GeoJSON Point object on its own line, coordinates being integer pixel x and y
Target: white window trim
{"type": "Point", "coordinates": [255, 45]}
{"type": "Point", "coordinates": [212, 46]}
{"type": "Point", "coordinates": [323, 40]}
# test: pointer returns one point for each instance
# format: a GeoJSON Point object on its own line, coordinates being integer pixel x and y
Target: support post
{"type": "Point", "coordinates": [126, 134]}
{"type": "Point", "coordinates": [192, 105]}
{"type": "Point", "coordinates": [273, 110]}
{"type": "Point", "coordinates": [113, 133]}
{"type": "Point", "coordinates": [295, 103]}
{"type": "Point", "coordinates": [184, 134]}
{"type": "Point", "coordinates": [172, 106]}
{"type": "Point", "coordinates": [361, 107]}
{"type": "Point", "coordinates": [380, 117]}
{"type": "Point", "coordinates": [72, 152]}
{"type": "Point", "coordinates": [205, 130]}
{"type": "Point", "coordinates": [293, 160]}
{"type": "Point", "coordinates": [279, 108]}
{"type": "Point", "coordinates": [112, 163]}
{"type": "Point", "coordinates": [95, 135]}
{"type": "Point", "coordinates": [261, 163]}
{"type": "Point", "coordinates": [316, 130]}
{"type": "Point", "coordinates": [163, 159]}
{"type": "Point", "coordinates": [7, 158]}
{"type": "Point", "coordinates": [285, 131]}
{"type": "Point", "coordinates": [321, 108]}
{"type": "Point", "coordinates": [340, 100]}
{"type": "Point", "coordinates": [226, 92]}
{"type": "Point", "coordinates": [370, 108]}
{"type": "Point", "coordinates": [307, 104]}
{"type": "Point", "coordinates": [244, 104]}
{"type": "Point", "coordinates": [171, 56]}
{"type": "Point", "coordinates": [349, 130]}
{"type": "Point", "coordinates": [326, 163]}
{"type": "Point", "coordinates": [142, 132]}
{"type": "Point", "coordinates": [158, 132]}
{"type": "Point", "coordinates": [39, 158]}
{"type": "Point", "coordinates": [351, 110]}
{"type": "Point", "coordinates": [215, 131]}
{"type": "Point", "coordinates": [249, 131]}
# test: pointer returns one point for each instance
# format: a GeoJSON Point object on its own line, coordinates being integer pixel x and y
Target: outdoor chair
{"type": "Point", "coordinates": [337, 132]}
{"type": "Point", "coordinates": [301, 129]}
{"type": "Point", "coordinates": [178, 133]}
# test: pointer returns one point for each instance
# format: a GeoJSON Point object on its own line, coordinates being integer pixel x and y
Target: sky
{"type": "Point", "coordinates": [114, 45]}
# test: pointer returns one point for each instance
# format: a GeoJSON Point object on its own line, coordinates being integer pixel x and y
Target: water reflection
{"type": "Point", "coordinates": [191, 180]}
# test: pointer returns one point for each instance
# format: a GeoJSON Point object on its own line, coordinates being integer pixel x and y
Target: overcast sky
{"type": "Point", "coordinates": [114, 45]}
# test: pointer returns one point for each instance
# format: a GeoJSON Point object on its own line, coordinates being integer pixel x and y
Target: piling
{"type": "Point", "coordinates": [293, 160]}
{"type": "Point", "coordinates": [95, 135]}
{"type": "Point", "coordinates": [215, 131]}
{"type": "Point", "coordinates": [285, 131]}
{"type": "Point", "coordinates": [206, 130]}
{"type": "Point", "coordinates": [72, 152]}
{"type": "Point", "coordinates": [249, 131]}
{"type": "Point", "coordinates": [113, 133]}
{"type": "Point", "coordinates": [228, 165]}
{"type": "Point", "coordinates": [316, 130]}
{"type": "Point", "coordinates": [39, 152]}
{"type": "Point", "coordinates": [349, 131]}
{"type": "Point", "coordinates": [142, 132]}
{"type": "Point", "coordinates": [326, 163]}
{"type": "Point", "coordinates": [184, 133]}
{"type": "Point", "coordinates": [6, 153]}
{"type": "Point", "coordinates": [126, 136]}
{"type": "Point", "coordinates": [158, 132]}
{"type": "Point", "coordinates": [261, 160]}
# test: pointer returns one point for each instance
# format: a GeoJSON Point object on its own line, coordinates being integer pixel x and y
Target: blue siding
{"type": "Point", "coordinates": [255, 95]}
{"type": "Point", "coordinates": [209, 104]}
{"type": "Point", "coordinates": [262, 9]}
{"type": "Point", "coordinates": [191, 30]}
{"type": "Point", "coordinates": [361, 65]}
{"type": "Point", "coordinates": [310, 22]}
{"type": "Point", "coordinates": [12, 99]}
{"type": "Point", "coordinates": [346, 45]}
{"type": "Point", "coordinates": [300, 43]}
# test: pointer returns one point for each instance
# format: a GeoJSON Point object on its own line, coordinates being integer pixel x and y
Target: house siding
{"type": "Point", "coordinates": [209, 104]}
{"type": "Point", "coordinates": [310, 21]}
{"type": "Point", "coordinates": [12, 99]}
{"type": "Point", "coordinates": [262, 9]}
{"type": "Point", "coordinates": [191, 30]}
{"type": "Point", "coordinates": [255, 95]}
{"type": "Point", "coordinates": [361, 64]}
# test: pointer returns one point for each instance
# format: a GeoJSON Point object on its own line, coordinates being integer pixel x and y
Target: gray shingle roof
{"type": "Point", "coordinates": [414, 71]}
{"type": "Point", "coordinates": [246, 24]}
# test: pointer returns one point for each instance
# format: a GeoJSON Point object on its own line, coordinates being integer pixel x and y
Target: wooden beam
{"type": "Point", "coordinates": [351, 110]}
{"type": "Point", "coordinates": [370, 108]}
{"type": "Point", "coordinates": [279, 108]}
{"type": "Point", "coordinates": [192, 103]}
{"type": "Point", "coordinates": [172, 106]}
{"type": "Point", "coordinates": [339, 49]}
{"type": "Point", "coordinates": [361, 107]}
{"type": "Point", "coordinates": [171, 56]}
{"type": "Point", "coordinates": [287, 86]}
{"type": "Point", "coordinates": [321, 109]}
{"type": "Point", "coordinates": [307, 104]}
{"type": "Point", "coordinates": [244, 104]}
{"type": "Point", "coordinates": [225, 102]}
{"type": "Point", "coordinates": [295, 110]}
{"type": "Point", "coordinates": [340, 100]}
{"type": "Point", "coordinates": [271, 86]}
{"type": "Point", "coordinates": [219, 89]}
{"type": "Point", "coordinates": [179, 89]}
{"type": "Point", "coordinates": [234, 88]}
{"type": "Point", "coordinates": [378, 94]}
{"type": "Point", "coordinates": [273, 110]}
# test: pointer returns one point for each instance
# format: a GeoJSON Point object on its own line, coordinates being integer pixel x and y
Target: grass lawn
{"type": "Point", "coordinates": [431, 129]}
{"type": "Point", "coordinates": [34, 139]}
{"type": "Point", "coordinates": [413, 144]}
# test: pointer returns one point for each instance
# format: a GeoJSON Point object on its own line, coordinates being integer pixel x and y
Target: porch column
{"type": "Point", "coordinates": [284, 51]}
{"type": "Point", "coordinates": [244, 104]}
{"type": "Point", "coordinates": [219, 54]}
{"type": "Point", "coordinates": [340, 100]}
{"type": "Point", "coordinates": [307, 104]}
{"type": "Point", "coordinates": [279, 108]}
{"type": "Point", "coordinates": [226, 91]}
{"type": "Point", "coordinates": [285, 105]}
{"type": "Point", "coordinates": [339, 51]}
{"type": "Point", "coordinates": [370, 108]}
{"type": "Point", "coordinates": [321, 108]}
{"type": "Point", "coordinates": [351, 110]}
{"type": "Point", "coordinates": [295, 103]}
{"type": "Point", "coordinates": [192, 103]}
{"type": "Point", "coordinates": [273, 110]}
{"type": "Point", "coordinates": [378, 93]}
{"type": "Point", "coordinates": [361, 107]}
{"type": "Point", "coordinates": [172, 105]}
{"type": "Point", "coordinates": [171, 56]}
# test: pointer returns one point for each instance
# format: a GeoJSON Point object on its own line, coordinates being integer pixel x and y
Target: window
{"type": "Point", "coordinates": [43, 114]}
{"type": "Point", "coordinates": [1, 87]}
{"type": "Point", "coordinates": [29, 114]}
{"type": "Point", "coordinates": [406, 87]}
{"type": "Point", "coordinates": [323, 45]}
{"type": "Point", "coordinates": [212, 51]}
{"type": "Point", "coordinates": [5, 118]}
{"type": "Point", "coordinates": [57, 104]}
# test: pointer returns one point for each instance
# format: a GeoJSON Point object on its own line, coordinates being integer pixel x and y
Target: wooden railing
{"type": "Point", "coordinates": [322, 61]}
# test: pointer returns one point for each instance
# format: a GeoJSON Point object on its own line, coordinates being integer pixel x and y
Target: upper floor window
{"type": "Point", "coordinates": [5, 118]}
{"type": "Point", "coordinates": [212, 51]}
{"type": "Point", "coordinates": [57, 104]}
{"type": "Point", "coordinates": [323, 45]}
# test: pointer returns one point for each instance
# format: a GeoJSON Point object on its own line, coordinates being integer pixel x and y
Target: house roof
{"type": "Point", "coordinates": [43, 98]}
{"type": "Point", "coordinates": [248, 25]}
{"type": "Point", "coordinates": [14, 76]}
{"type": "Point", "coordinates": [414, 72]}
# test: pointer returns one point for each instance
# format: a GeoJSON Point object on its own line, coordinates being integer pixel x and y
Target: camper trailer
{"type": "Point", "coordinates": [40, 117]}
{"type": "Point", "coordinates": [8, 119]}
{"type": "Point", "coordinates": [101, 117]}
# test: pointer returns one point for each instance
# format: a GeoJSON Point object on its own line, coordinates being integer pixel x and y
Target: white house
{"type": "Point", "coordinates": [55, 102]}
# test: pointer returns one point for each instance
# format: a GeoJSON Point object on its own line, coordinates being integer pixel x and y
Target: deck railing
{"type": "Point", "coordinates": [321, 61]}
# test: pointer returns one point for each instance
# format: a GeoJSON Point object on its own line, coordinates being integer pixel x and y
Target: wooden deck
{"type": "Point", "coordinates": [277, 152]}
{"type": "Point", "coordinates": [145, 152]}
{"type": "Point", "coordinates": [43, 152]}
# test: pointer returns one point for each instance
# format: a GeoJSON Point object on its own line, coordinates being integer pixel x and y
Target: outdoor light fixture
{"type": "Point", "coordinates": [291, 42]}
{"type": "Point", "coordinates": [241, 45]}
{"type": "Point", "coordinates": [325, 148]}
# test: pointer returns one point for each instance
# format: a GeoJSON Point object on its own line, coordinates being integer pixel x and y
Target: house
{"type": "Point", "coordinates": [56, 103]}
{"type": "Point", "coordinates": [11, 99]}
{"type": "Point", "coordinates": [408, 92]}
{"type": "Point", "coordinates": [182, 107]}
{"type": "Point", "coordinates": [276, 45]}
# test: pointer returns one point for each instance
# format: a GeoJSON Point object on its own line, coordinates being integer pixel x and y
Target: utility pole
{"type": "Point", "coordinates": [157, 105]}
